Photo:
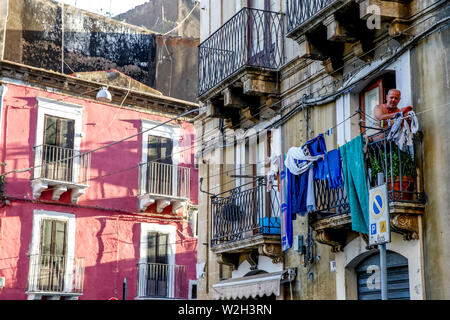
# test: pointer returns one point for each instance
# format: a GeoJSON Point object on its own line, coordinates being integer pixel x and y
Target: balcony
{"type": "Point", "coordinates": [328, 30]}
{"type": "Point", "coordinates": [163, 184]}
{"type": "Point", "coordinates": [52, 275]}
{"type": "Point", "coordinates": [246, 218]}
{"type": "Point", "coordinates": [238, 63]}
{"type": "Point", "coordinates": [331, 219]}
{"type": "Point", "coordinates": [301, 11]}
{"type": "Point", "coordinates": [402, 172]}
{"type": "Point", "coordinates": [60, 169]}
{"type": "Point", "coordinates": [162, 281]}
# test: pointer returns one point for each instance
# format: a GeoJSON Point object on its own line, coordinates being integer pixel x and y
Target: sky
{"type": "Point", "coordinates": [115, 7]}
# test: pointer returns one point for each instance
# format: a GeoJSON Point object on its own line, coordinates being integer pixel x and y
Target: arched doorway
{"type": "Point", "coordinates": [369, 277]}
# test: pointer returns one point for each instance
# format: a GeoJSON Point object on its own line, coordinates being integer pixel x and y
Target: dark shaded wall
{"type": "Point", "coordinates": [48, 35]}
{"type": "Point", "coordinates": [162, 16]}
{"type": "Point", "coordinates": [176, 67]}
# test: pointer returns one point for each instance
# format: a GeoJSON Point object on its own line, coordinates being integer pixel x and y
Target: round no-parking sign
{"type": "Point", "coordinates": [379, 226]}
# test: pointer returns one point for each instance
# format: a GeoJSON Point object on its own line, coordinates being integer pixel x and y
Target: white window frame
{"type": "Point", "coordinates": [170, 230]}
{"type": "Point", "coordinates": [62, 110]}
{"type": "Point", "coordinates": [166, 131]}
{"type": "Point", "coordinates": [35, 244]}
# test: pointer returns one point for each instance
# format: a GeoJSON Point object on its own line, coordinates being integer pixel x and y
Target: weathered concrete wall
{"type": "Point", "coordinates": [38, 31]}
{"type": "Point", "coordinates": [3, 17]}
{"type": "Point", "coordinates": [162, 16]}
{"type": "Point", "coordinates": [176, 67]}
{"type": "Point", "coordinates": [431, 95]}
{"type": "Point", "coordinates": [66, 39]}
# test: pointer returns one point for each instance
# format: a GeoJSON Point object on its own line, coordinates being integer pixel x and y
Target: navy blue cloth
{"type": "Point", "coordinates": [333, 161]}
{"type": "Point", "coordinates": [317, 147]}
{"type": "Point", "coordinates": [297, 193]}
{"type": "Point", "coordinates": [330, 168]}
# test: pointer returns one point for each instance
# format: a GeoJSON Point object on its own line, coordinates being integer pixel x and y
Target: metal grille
{"type": "Point", "coordinates": [401, 168]}
{"type": "Point", "coordinates": [162, 281]}
{"type": "Point", "coordinates": [245, 213]}
{"type": "Point", "coordinates": [62, 164]}
{"type": "Point", "coordinates": [53, 273]}
{"type": "Point", "coordinates": [299, 11]}
{"type": "Point", "coordinates": [164, 179]}
{"type": "Point", "coordinates": [250, 38]}
{"type": "Point", "coordinates": [330, 202]}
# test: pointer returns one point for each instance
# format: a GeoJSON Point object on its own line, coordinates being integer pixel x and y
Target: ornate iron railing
{"type": "Point", "coordinates": [62, 164]}
{"type": "Point", "coordinates": [243, 213]}
{"type": "Point", "coordinates": [250, 38]}
{"type": "Point", "coordinates": [401, 168]}
{"type": "Point", "coordinates": [299, 11]}
{"type": "Point", "coordinates": [164, 179]}
{"type": "Point", "coordinates": [329, 201]}
{"type": "Point", "coordinates": [55, 274]}
{"type": "Point", "coordinates": [165, 281]}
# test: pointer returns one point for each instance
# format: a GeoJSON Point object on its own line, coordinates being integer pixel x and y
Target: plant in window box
{"type": "Point", "coordinates": [403, 167]}
{"type": "Point", "coordinates": [376, 165]}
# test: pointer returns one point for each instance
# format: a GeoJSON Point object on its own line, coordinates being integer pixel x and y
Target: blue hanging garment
{"type": "Point", "coordinates": [317, 147]}
{"type": "Point", "coordinates": [333, 161]}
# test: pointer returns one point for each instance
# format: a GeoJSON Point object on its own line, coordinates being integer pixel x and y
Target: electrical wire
{"type": "Point", "coordinates": [27, 169]}
{"type": "Point", "coordinates": [293, 103]}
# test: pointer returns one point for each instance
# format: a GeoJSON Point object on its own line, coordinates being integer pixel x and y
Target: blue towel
{"type": "Point", "coordinates": [355, 183]}
{"type": "Point", "coordinates": [317, 147]}
{"type": "Point", "coordinates": [333, 161]}
{"type": "Point", "coordinates": [297, 193]}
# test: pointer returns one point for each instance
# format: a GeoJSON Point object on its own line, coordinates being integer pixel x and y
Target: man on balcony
{"type": "Point", "coordinates": [386, 111]}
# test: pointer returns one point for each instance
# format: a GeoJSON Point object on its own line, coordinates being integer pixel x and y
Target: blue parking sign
{"type": "Point", "coordinates": [373, 228]}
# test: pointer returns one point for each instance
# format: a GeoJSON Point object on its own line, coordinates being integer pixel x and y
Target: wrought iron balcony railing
{"type": "Point", "coordinates": [329, 202]}
{"type": "Point", "coordinates": [62, 164]}
{"type": "Point", "coordinates": [162, 179]}
{"type": "Point", "coordinates": [300, 11]}
{"type": "Point", "coordinates": [243, 213]}
{"type": "Point", "coordinates": [401, 169]}
{"type": "Point", "coordinates": [250, 38]}
{"type": "Point", "coordinates": [55, 274]}
{"type": "Point", "coordinates": [162, 281]}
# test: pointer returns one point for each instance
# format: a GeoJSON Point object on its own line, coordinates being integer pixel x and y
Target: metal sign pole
{"type": "Point", "coordinates": [382, 247]}
{"type": "Point", "coordinates": [383, 271]}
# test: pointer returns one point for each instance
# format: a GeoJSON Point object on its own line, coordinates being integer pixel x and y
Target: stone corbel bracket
{"type": "Point", "coordinates": [228, 259]}
{"type": "Point", "coordinates": [407, 225]}
{"type": "Point", "coordinates": [272, 251]}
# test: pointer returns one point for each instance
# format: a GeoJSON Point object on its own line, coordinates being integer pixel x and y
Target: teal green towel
{"type": "Point", "coordinates": [355, 183]}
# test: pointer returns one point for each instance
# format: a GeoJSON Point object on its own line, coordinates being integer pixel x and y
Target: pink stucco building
{"type": "Point", "coordinates": [93, 193]}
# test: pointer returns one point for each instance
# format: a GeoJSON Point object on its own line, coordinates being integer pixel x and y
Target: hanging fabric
{"type": "Point", "coordinates": [355, 184]}
{"type": "Point", "coordinates": [403, 129]}
{"type": "Point", "coordinates": [297, 161]}
{"type": "Point", "coordinates": [317, 147]}
{"type": "Point", "coordinates": [334, 166]}
{"type": "Point", "coordinates": [285, 216]}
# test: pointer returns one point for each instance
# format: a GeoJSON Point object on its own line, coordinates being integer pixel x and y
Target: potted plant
{"type": "Point", "coordinates": [407, 174]}
{"type": "Point", "coordinates": [376, 165]}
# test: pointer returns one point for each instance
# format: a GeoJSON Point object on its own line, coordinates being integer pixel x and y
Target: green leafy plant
{"type": "Point", "coordinates": [376, 164]}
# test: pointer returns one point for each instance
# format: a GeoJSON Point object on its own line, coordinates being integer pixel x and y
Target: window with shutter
{"type": "Point", "coordinates": [157, 283]}
{"type": "Point", "coordinates": [53, 254]}
{"type": "Point", "coordinates": [58, 148]}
